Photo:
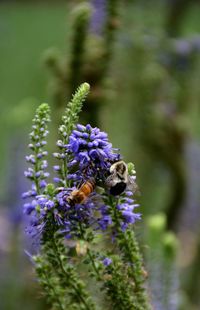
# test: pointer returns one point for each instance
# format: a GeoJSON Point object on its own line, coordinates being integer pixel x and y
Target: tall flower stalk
{"type": "Point", "coordinates": [69, 119]}
{"type": "Point", "coordinates": [79, 208]}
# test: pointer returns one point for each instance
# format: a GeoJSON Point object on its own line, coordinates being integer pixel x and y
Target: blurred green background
{"type": "Point", "coordinates": [142, 59]}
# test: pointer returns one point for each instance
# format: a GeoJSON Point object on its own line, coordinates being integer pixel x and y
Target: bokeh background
{"type": "Point", "coordinates": [142, 59]}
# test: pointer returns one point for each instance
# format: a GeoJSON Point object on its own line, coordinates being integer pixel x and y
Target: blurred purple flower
{"type": "Point", "coordinates": [107, 261]}
{"type": "Point", "coordinates": [182, 47]}
{"type": "Point", "coordinates": [98, 17]}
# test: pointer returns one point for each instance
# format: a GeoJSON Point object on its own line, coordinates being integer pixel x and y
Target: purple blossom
{"type": "Point", "coordinates": [99, 16]}
{"type": "Point", "coordinates": [30, 193]}
{"type": "Point", "coordinates": [125, 207]}
{"type": "Point", "coordinates": [91, 151]}
{"type": "Point", "coordinates": [105, 220]}
{"type": "Point", "coordinates": [107, 261]}
{"type": "Point", "coordinates": [57, 180]}
{"type": "Point", "coordinates": [39, 209]}
{"type": "Point", "coordinates": [29, 207]}
{"type": "Point", "coordinates": [43, 184]}
{"type": "Point", "coordinates": [31, 159]}
{"type": "Point", "coordinates": [72, 217]}
{"type": "Point", "coordinates": [36, 173]}
{"type": "Point", "coordinates": [56, 167]}
{"type": "Point", "coordinates": [182, 47]}
{"type": "Point", "coordinates": [44, 202]}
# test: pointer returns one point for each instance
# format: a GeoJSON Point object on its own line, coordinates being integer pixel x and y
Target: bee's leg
{"type": "Point", "coordinates": [59, 189]}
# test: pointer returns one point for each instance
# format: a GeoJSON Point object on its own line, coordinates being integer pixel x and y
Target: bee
{"type": "Point", "coordinates": [80, 195]}
{"type": "Point", "coordinates": [119, 179]}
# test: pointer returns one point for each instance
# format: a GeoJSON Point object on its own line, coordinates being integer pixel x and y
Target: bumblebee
{"type": "Point", "coordinates": [119, 180]}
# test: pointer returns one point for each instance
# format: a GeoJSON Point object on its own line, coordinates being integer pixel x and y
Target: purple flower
{"type": "Point", "coordinates": [70, 217]}
{"type": "Point", "coordinates": [91, 151]}
{"type": "Point", "coordinates": [57, 180]}
{"type": "Point", "coordinates": [39, 209]}
{"type": "Point", "coordinates": [36, 173]}
{"type": "Point", "coordinates": [44, 202]}
{"type": "Point", "coordinates": [182, 47]}
{"type": "Point", "coordinates": [43, 184]}
{"type": "Point", "coordinates": [99, 16]}
{"type": "Point", "coordinates": [107, 261]}
{"type": "Point", "coordinates": [105, 220]}
{"type": "Point", "coordinates": [39, 131]}
{"type": "Point", "coordinates": [130, 217]}
{"type": "Point", "coordinates": [29, 207]}
{"type": "Point", "coordinates": [125, 207]}
{"type": "Point", "coordinates": [56, 167]}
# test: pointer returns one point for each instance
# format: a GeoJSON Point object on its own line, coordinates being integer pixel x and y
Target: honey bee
{"type": "Point", "coordinates": [80, 195]}
{"type": "Point", "coordinates": [119, 179]}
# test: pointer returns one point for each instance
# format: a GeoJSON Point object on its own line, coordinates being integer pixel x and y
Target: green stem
{"type": "Point", "coordinates": [67, 275]}
{"type": "Point", "coordinates": [82, 235]}
{"type": "Point", "coordinates": [64, 168]}
{"type": "Point", "coordinates": [54, 292]}
{"type": "Point", "coordinates": [131, 254]}
{"type": "Point", "coordinates": [36, 170]}
{"type": "Point", "coordinates": [93, 264]}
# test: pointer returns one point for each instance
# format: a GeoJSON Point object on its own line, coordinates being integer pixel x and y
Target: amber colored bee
{"type": "Point", "coordinates": [80, 195]}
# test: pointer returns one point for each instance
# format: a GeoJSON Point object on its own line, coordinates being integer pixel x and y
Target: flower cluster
{"type": "Point", "coordinates": [37, 172]}
{"type": "Point", "coordinates": [91, 151]}
{"type": "Point", "coordinates": [126, 207]}
{"type": "Point", "coordinates": [87, 154]}
{"type": "Point", "coordinates": [123, 212]}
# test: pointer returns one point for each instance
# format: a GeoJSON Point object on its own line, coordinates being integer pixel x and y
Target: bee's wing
{"type": "Point", "coordinates": [96, 198]}
{"type": "Point", "coordinates": [132, 185]}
